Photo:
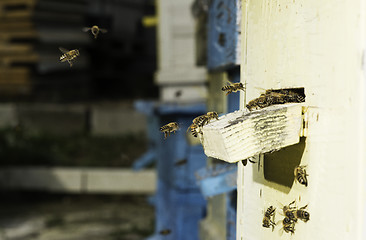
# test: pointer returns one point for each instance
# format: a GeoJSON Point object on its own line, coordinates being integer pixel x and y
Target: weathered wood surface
{"type": "Point", "coordinates": [243, 134]}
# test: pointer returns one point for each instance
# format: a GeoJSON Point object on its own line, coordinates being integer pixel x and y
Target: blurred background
{"type": "Point", "coordinates": [63, 128]}
{"type": "Point", "coordinates": [81, 153]}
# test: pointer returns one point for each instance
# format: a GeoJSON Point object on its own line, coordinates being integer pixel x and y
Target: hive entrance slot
{"type": "Point", "coordinates": [279, 166]}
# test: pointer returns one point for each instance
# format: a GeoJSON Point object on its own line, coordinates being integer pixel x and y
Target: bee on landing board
{"type": "Point", "coordinates": [233, 87]}
{"type": "Point", "coordinates": [212, 115]}
{"type": "Point", "coordinates": [271, 97]}
{"type": "Point", "coordinates": [69, 56]}
{"type": "Point", "coordinates": [195, 129]}
{"type": "Point", "coordinates": [268, 216]}
{"type": "Point", "coordinates": [168, 128]}
{"type": "Point", "coordinates": [300, 175]}
{"type": "Point", "coordinates": [200, 121]}
{"type": "Point", "coordinates": [95, 30]}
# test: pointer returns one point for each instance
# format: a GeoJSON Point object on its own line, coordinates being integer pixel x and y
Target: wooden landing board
{"type": "Point", "coordinates": [242, 134]}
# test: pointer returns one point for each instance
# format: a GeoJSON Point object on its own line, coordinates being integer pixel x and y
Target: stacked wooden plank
{"type": "Point", "coordinates": [16, 51]}
{"type": "Point", "coordinates": [31, 32]}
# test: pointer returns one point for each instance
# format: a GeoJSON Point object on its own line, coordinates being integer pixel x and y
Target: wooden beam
{"type": "Point", "coordinates": [79, 180]}
{"type": "Point", "coordinates": [242, 134]}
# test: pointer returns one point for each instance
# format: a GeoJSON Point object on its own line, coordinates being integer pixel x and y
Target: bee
{"type": "Point", "coordinates": [288, 225]}
{"type": "Point", "coordinates": [95, 30]}
{"type": "Point", "coordinates": [69, 56]}
{"type": "Point", "coordinates": [300, 175]}
{"type": "Point", "coordinates": [195, 129]}
{"type": "Point", "coordinates": [275, 97]}
{"type": "Point", "coordinates": [292, 96]}
{"type": "Point", "coordinates": [168, 128]}
{"type": "Point", "coordinates": [260, 102]}
{"type": "Point", "coordinates": [290, 211]}
{"type": "Point", "coordinates": [267, 222]}
{"type": "Point", "coordinates": [233, 87]}
{"type": "Point", "coordinates": [200, 121]}
{"type": "Point", "coordinates": [302, 214]}
{"type": "Point", "coordinates": [181, 162]}
{"type": "Point", "coordinates": [212, 115]}
{"type": "Point", "coordinates": [165, 231]}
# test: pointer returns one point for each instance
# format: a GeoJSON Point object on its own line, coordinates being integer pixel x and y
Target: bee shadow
{"type": "Point", "coordinates": [278, 167]}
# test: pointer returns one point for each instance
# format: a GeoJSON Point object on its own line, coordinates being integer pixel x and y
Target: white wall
{"type": "Point", "coordinates": [318, 45]}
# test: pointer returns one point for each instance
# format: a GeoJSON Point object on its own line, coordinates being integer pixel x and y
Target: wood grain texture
{"type": "Point", "coordinates": [243, 134]}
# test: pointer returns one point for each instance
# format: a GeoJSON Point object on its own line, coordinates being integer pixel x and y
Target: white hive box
{"type": "Point", "coordinates": [242, 134]}
{"type": "Point", "coordinates": [178, 77]}
{"type": "Point", "coordinates": [320, 46]}
{"type": "Point", "coordinates": [176, 40]}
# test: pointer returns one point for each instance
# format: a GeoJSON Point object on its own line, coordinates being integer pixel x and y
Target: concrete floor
{"type": "Point", "coordinates": [34, 216]}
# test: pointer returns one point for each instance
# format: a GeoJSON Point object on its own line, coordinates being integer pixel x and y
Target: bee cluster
{"type": "Point", "coordinates": [291, 213]}
{"type": "Point", "coordinates": [272, 97]}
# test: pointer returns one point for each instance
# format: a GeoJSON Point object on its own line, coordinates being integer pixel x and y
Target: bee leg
{"type": "Point", "coordinates": [291, 204]}
{"type": "Point", "coordinates": [165, 135]}
{"type": "Point", "coordinates": [304, 207]}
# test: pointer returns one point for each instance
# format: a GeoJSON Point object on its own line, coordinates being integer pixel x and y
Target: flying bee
{"type": "Point", "coordinates": [69, 56]}
{"type": "Point", "coordinates": [181, 162]}
{"type": "Point", "coordinates": [233, 87]}
{"type": "Point", "coordinates": [267, 221]}
{"type": "Point", "coordinates": [288, 225]}
{"type": "Point", "coordinates": [300, 175]}
{"type": "Point", "coordinates": [165, 231]}
{"type": "Point", "coordinates": [302, 214]}
{"type": "Point", "coordinates": [95, 30]}
{"type": "Point", "coordinates": [168, 128]}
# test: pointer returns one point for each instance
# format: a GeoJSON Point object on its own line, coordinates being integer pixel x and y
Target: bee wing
{"type": "Point", "coordinates": [230, 82]}
{"type": "Point", "coordinates": [189, 127]}
{"type": "Point", "coordinates": [85, 29]}
{"type": "Point", "coordinates": [102, 30]}
{"type": "Point", "coordinates": [63, 50]}
{"type": "Point", "coordinates": [259, 88]}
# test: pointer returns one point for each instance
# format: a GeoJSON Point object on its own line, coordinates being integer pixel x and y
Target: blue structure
{"type": "Point", "coordinates": [179, 204]}
{"type": "Point", "coordinates": [231, 201]}
{"type": "Point", "coordinates": [223, 44]}
{"type": "Point", "coordinates": [223, 34]}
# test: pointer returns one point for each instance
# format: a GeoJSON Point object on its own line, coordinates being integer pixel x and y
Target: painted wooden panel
{"type": "Point", "coordinates": [318, 45]}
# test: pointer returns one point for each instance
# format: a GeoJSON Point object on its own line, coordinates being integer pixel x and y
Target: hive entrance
{"type": "Point", "coordinates": [279, 166]}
